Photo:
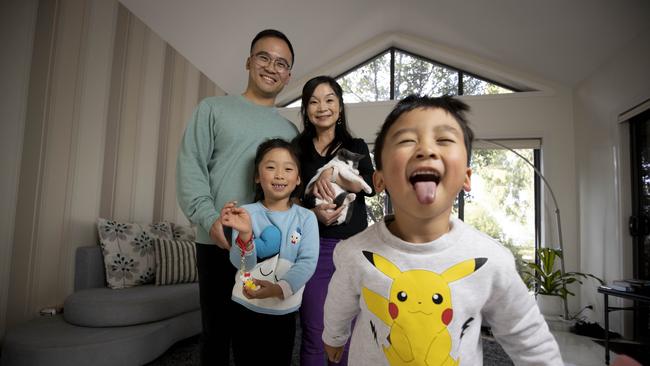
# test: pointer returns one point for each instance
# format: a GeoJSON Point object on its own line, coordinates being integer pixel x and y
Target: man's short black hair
{"type": "Point", "coordinates": [274, 34]}
{"type": "Point", "coordinates": [451, 105]}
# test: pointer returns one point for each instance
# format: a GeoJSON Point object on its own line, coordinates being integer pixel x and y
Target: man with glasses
{"type": "Point", "coordinates": [215, 166]}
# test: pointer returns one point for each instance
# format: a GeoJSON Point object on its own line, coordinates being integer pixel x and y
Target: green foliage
{"type": "Point", "coordinates": [375, 207]}
{"type": "Point", "coordinates": [546, 279]}
{"type": "Point", "coordinates": [370, 82]}
{"type": "Point", "coordinates": [418, 76]}
{"type": "Point", "coordinates": [413, 74]}
{"type": "Point", "coordinates": [487, 224]}
{"type": "Point", "coordinates": [510, 178]}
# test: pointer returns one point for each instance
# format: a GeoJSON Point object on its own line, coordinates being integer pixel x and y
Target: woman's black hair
{"type": "Point", "coordinates": [341, 133]}
{"type": "Point", "coordinates": [262, 150]}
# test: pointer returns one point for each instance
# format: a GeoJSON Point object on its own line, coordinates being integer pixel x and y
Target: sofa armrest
{"type": "Point", "coordinates": [89, 268]}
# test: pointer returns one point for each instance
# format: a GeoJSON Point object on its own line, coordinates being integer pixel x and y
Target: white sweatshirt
{"type": "Point", "coordinates": [423, 304]}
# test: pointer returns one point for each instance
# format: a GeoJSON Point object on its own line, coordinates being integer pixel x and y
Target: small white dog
{"type": "Point", "coordinates": [345, 164]}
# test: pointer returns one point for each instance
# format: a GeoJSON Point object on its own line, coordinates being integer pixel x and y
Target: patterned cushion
{"type": "Point", "coordinates": [175, 261]}
{"type": "Point", "coordinates": [129, 251]}
{"type": "Point", "coordinates": [183, 232]}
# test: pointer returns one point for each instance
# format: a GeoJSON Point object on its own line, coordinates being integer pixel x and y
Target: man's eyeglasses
{"type": "Point", "coordinates": [263, 59]}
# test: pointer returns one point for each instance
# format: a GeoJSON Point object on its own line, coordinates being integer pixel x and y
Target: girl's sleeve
{"type": "Point", "coordinates": [365, 166]}
{"type": "Point", "coordinates": [342, 302]}
{"type": "Point", "coordinates": [192, 175]}
{"type": "Point", "coordinates": [235, 253]}
{"type": "Point", "coordinates": [305, 262]}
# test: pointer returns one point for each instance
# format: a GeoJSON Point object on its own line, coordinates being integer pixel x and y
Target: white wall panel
{"type": "Point", "coordinates": [600, 144]}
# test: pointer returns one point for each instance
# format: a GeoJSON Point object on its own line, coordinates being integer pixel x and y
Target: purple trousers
{"type": "Point", "coordinates": [312, 350]}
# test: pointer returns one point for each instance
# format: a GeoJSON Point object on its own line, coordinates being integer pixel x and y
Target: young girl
{"type": "Point", "coordinates": [275, 248]}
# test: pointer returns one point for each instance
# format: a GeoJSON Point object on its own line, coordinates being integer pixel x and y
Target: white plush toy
{"type": "Point", "coordinates": [345, 164]}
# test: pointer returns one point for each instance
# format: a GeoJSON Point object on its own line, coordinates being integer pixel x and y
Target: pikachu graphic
{"type": "Point", "coordinates": [417, 311]}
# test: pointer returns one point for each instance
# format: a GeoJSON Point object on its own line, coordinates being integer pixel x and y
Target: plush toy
{"type": "Point", "coordinates": [247, 279]}
{"type": "Point", "coordinates": [345, 164]}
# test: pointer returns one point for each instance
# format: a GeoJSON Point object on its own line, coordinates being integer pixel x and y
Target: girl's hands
{"type": "Point", "coordinates": [238, 219]}
{"type": "Point", "coordinates": [266, 289]}
{"type": "Point", "coordinates": [327, 213]}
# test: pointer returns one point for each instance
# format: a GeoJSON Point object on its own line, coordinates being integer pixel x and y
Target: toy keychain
{"type": "Point", "coordinates": [245, 276]}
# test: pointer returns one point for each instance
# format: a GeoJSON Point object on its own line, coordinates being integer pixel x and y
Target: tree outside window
{"type": "Point", "coordinates": [373, 80]}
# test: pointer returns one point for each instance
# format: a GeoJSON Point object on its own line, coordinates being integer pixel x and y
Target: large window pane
{"type": "Point", "coordinates": [475, 86]}
{"type": "Point", "coordinates": [368, 83]}
{"type": "Point", "coordinates": [417, 76]}
{"type": "Point", "coordinates": [502, 200]}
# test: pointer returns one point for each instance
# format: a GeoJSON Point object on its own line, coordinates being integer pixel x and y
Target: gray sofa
{"type": "Point", "coordinates": [102, 326]}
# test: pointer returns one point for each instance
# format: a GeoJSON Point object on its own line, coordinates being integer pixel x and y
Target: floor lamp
{"type": "Point", "coordinates": [557, 208]}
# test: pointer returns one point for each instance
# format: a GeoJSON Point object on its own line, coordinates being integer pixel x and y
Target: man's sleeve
{"type": "Point", "coordinates": [192, 175]}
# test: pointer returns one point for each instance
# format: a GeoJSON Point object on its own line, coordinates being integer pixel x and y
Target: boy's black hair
{"type": "Point", "coordinates": [451, 105]}
{"type": "Point", "coordinates": [274, 34]}
{"type": "Point", "coordinates": [262, 150]}
{"type": "Point", "coordinates": [341, 133]}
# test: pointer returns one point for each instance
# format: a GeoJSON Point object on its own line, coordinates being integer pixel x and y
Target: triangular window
{"type": "Point", "coordinates": [395, 73]}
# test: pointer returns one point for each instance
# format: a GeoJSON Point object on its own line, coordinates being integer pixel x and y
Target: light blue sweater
{"type": "Point", "coordinates": [215, 159]}
{"type": "Point", "coordinates": [295, 264]}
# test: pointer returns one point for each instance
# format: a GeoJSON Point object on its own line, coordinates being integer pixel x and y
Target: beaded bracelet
{"type": "Point", "coordinates": [243, 245]}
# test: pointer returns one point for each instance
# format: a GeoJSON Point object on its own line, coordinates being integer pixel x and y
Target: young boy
{"type": "Point", "coordinates": [421, 282]}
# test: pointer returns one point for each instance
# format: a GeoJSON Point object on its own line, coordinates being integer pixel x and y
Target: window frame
{"type": "Point", "coordinates": [392, 50]}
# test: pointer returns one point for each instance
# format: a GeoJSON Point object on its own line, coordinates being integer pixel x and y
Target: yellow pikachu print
{"type": "Point", "coordinates": [417, 311]}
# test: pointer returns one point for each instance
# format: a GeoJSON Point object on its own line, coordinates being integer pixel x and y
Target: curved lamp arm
{"type": "Point", "coordinates": [557, 208]}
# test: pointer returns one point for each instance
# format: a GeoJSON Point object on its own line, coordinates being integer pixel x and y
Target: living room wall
{"type": "Point", "coordinates": [603, 179]}
{"type": "Point", "coordinates": [104, 106]}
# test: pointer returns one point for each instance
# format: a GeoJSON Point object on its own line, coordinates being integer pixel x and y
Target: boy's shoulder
{"type": "Point", "coordinates": [370, 235]}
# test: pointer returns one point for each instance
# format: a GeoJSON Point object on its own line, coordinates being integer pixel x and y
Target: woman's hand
{"type": "Point", "coordinates": [322, 188]}
{"type": "Point", "coordinates": [327, 213]}
{"type": "Point", "coordinates": [266, 289]}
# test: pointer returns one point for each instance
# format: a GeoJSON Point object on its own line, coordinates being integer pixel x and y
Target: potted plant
{"type": "Point", "coordinates": [549, 282]}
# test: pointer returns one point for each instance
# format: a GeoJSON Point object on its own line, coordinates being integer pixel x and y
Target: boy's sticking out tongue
{"type": "Point", "coordinates": [425, 187]}
{"type": "Point", "coordinates": [425, 192]}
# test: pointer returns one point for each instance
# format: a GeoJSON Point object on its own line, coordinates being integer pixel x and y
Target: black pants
{"type": "Point", "coordinates": [262, 339]}
{"type": "Point", "coordinates": [216, 279]}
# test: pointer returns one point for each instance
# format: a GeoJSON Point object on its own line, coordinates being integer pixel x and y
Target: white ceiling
{"type": "Point", "coordinates": [562, 41]}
